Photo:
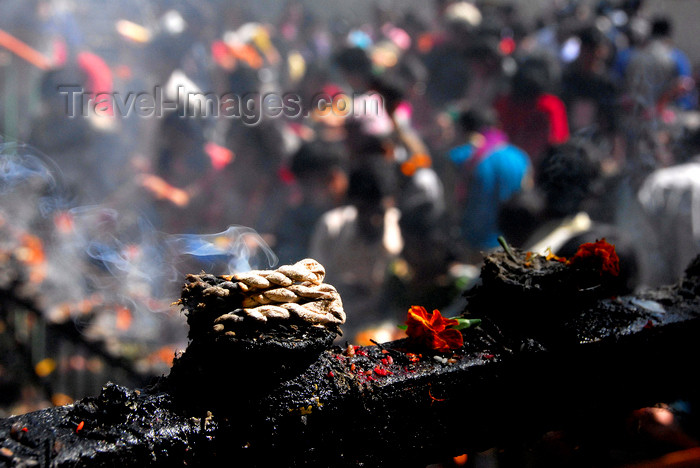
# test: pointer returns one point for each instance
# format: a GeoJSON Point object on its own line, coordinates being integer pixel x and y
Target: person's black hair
{"type": "Point", "coordinates": [688, 144]}
{"type": "Point", "coordinates": [532, 78]}
{"type": "Point", "coordinates": [521, 215]}
{"type": "Point", "coordinates": [354, 60]}
{"type": "Point", "coordinates": [631, 7]}
{"type": "Point", "coordinates": [315, 157]}
{"type": "Point", "coordinates": [591, 37]}
{"type": "Point", "coordinates": [372, 181]}
{"type": "Point", "coordinates": [661, 27]}
{"type": "Point", "coordinates": [391, 90]}
{"type": "Point", "coordinates": [604, 8]}
{"type": "Point", "coordinates": [363, 144]}
{"type": "Point", "coordinates": [476, 119]}
{"type": "Point", "coordinates": [486, 46]}
{"type": "Point", "coordinates": [565, 177]}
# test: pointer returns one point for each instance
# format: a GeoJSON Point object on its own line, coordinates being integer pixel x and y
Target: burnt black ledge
{"type": "Point", "coordinates": [504, 387]}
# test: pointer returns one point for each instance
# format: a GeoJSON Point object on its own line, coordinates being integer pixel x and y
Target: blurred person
{"type": "Point", "coordinates": [175, 183]}
{"type": "Point", "coordinates": [634, 33]}
{"type": "Point", "coordinates": [357, 242]}
{"type": "Point", "coordinates": [52, 129]}
{"type": "Point", "coordinates": [588, 90]}
{"type": "Point", "coordinates": [328, 127]}
{"type": "Point", "coordinates": [669, 200]}
{"type": "Point", "coordinates": [491, 170]}
{"type": "Point", "coordinates": [565, 178]}
{"type": "Point", "coordinates": [26, 51]}
{"type": "Point", "coordinates": [564, 181]}
{"type": "Point", "coordinates": [390, 134]}
{"type": "Point", "coordinates": [76, 122]}
{"type": "Point", "coordinates": [445, 55]}
{"type": "Point", "coordinates": [411, 69]}
{"type": "Point", "coordinates": [419, 188]}
{"type": "Point", "coordinates": [356, 68]}
{"type": "Point", "coordinates": [196, 61]}
{"type": "Point", "coordinates": [521, 215]}
{"type": "Point", "coordinates": [257, 183]}
{"type": "Point", "coordinates": [377, 102]}
{"type": "Point", "coordinates": [530, 115]}
{"type": "Point", "coordinates": [429, 271]}
{"type": "Point", "coordinates": [657, 73]}
{"type": "Point", "coordinates": [290, 22]}
{"type": "Point", "coordinates": [423, 274]}
{"type": "Point", "coordinates": [488, 79]}
{"type": "Point", "coordinates": [253, 190]}
{"type": "Point", "coordinates": [321, 181]}
{"type": "Point", "coordinates": [655, 79]}
{"type": "Point", "coordinates": [380, 103]}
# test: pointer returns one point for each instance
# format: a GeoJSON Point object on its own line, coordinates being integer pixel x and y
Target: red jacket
{"type": "Point", "coordinates": [534, 125]}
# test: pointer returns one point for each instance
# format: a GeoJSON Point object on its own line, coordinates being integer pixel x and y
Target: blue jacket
{"type": "Point", "coordinates": [495, 178]}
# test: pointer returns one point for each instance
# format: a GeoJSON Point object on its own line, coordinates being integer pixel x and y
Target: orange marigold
{"type": "Point", "coordinates": [601, 254]}
{"type": "Point", "coordinates": [431, 329]}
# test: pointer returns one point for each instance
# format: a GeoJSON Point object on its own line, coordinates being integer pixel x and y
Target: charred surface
{"type": "Point", "coordinates": [242, 398]}
{"type": "Point", "coordinates": [120, 426]}
{"type": "Point", "coordinates": [532, 296]}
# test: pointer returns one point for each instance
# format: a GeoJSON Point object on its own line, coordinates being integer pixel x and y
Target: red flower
{"type": "Point", "coordinates": [430, 329]}
{"type": "Point", "coordinates": [599, 254]}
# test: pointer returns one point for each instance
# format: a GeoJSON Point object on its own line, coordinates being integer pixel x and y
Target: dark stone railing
{"type": "Point", "coordinates": [582, 370]}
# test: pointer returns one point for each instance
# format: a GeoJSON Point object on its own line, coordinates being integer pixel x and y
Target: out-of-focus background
{"type": "Point", "coordinates": [136, 147]}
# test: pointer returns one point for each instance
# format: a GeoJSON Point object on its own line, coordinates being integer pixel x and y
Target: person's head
{"type": "Point", "coordinates": [565, 177]}
{"type": "Point", "coordinates": [638, 31]}
{"type": "Point", "coordinates": [532, 78]}
{"type": "Point", "coordinates": [427, 247]}
{"type": "Point", "coordinates": [371, 189]}
{"type": "Point", "coordinates": [392, 90]}
{"type": "Point", "coordinates": [521, 215]}
{"type": "Point", "coordinates": [181, 146]}
{"type": "Point", "coordinates": [476, 120]}
{"type": "Point", "coordinates": [356, 67]}
{"type": "Point", "coordinates": [484, 54]}
{"type": "Point", "coordinates": [689, 144]}
{"type": "Point", "coordinates": [661, 28]}
{"type": "Point", "coordinates": [320, 170]}
{"type": "Point", "coordinates": [632, 7]}
{"type": "Point", "coordinates": [462, 20]}
{"type": "Point", "coordinates": [595, 46]}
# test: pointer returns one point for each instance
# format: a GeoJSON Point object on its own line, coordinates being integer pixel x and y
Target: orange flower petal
{"type": "Point", "coordinates": [430, 329]}
{"type": "Point", "coordinates": [601, 254]}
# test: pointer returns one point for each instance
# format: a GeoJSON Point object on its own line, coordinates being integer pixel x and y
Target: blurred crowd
{"type": "Point", "coordinates": [579, 125]}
